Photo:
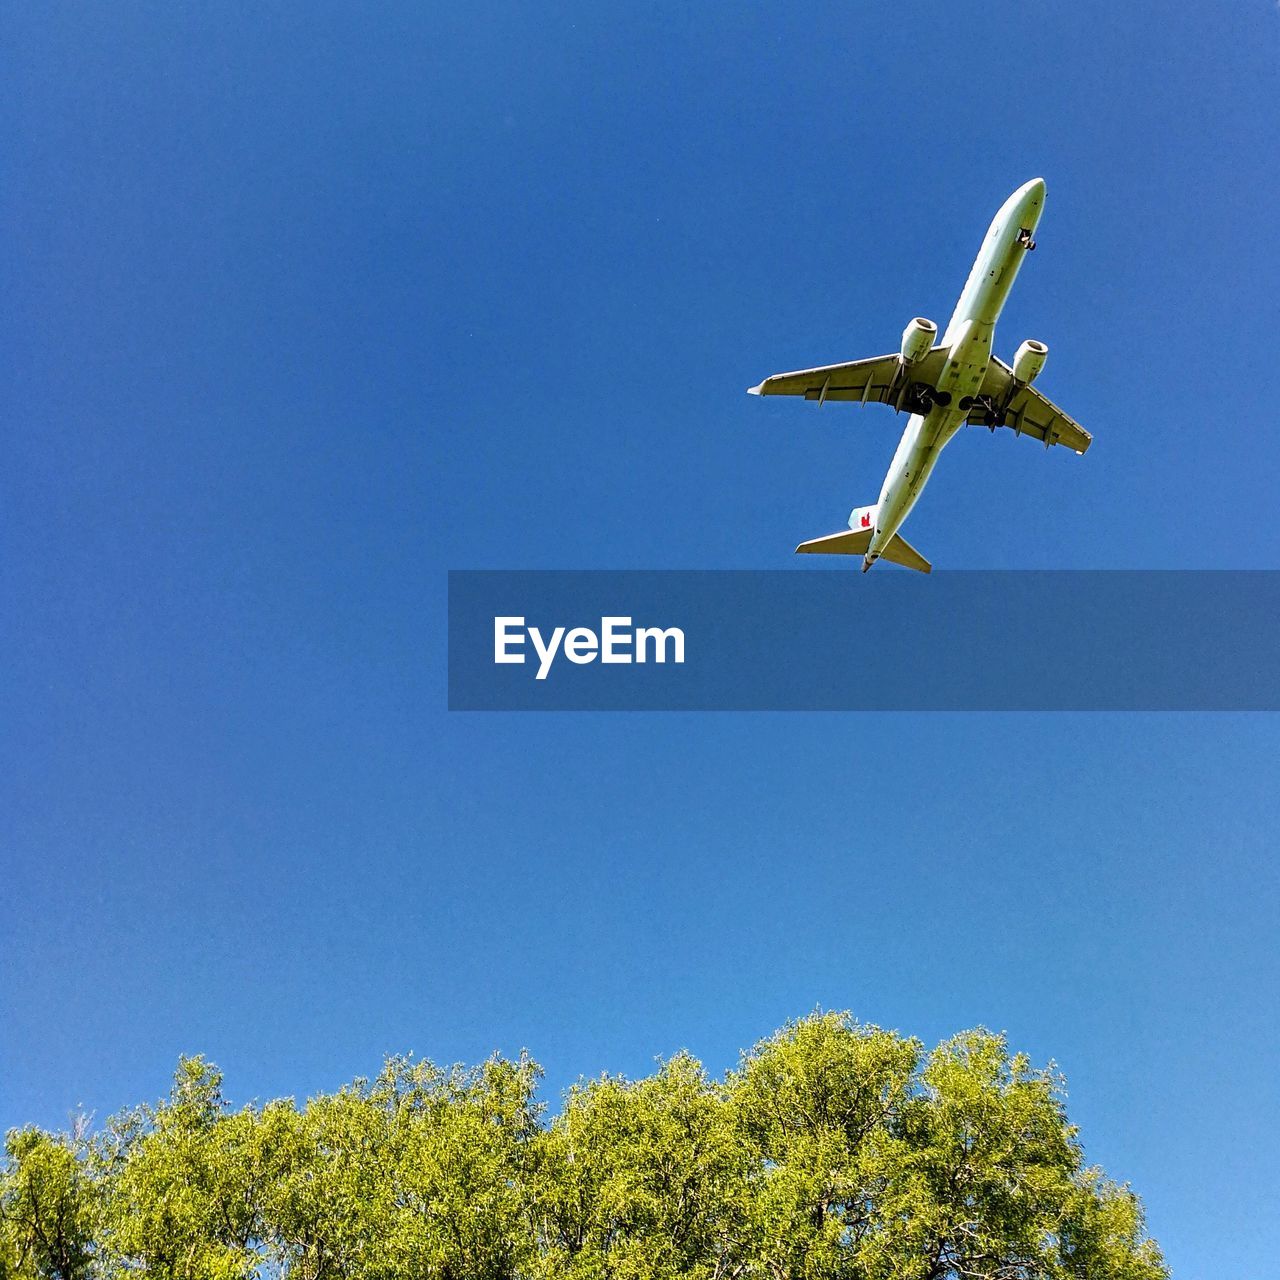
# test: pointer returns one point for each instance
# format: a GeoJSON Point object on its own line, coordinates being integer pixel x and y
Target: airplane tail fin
{"type": "Point", "coordinates": [855, 540]}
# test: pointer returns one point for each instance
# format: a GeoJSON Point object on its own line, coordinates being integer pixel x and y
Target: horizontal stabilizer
{"type": "Point", "coordinates": [900, 551]}
{"type": "Point", "coordinates": [848, 542]}
{"type": "Point", "coordinates": [854, 542]}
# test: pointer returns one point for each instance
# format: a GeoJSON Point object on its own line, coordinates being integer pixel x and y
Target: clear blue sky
{"type": "Point", "coordinates": [304, 305]}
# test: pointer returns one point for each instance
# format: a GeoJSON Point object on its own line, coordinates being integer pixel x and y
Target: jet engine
{"type": "Point", "coordinates": [1029, 360]}
{"type": "Point", "coordinates": [917, 339]}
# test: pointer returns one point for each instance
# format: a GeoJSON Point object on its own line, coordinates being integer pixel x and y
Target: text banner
{"type": "Point", "coordinates": [842, 641]}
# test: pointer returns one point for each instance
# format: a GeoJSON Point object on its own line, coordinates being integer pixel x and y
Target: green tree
{"type": "Point", "coordinates": [420, 1174]}
{"type": "Point", "coordinates": [48, 1208]}
{"type": "Point", "coordinates": [817, 1106]}
{"type": "Point", "coordinates": [834, 1151]}
{"type": "Point", "coordinates": [877, 1164]}
{"type": "Point", "coordinates": [184, 1182]}
{"type": "Point", "coordinates": [642, 1179]}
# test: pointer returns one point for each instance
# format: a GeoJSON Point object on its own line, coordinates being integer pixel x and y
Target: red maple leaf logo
{"type": "Point", "coordinates": [866, 520]}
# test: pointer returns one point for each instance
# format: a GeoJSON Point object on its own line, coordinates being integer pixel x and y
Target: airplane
{"type": "Point", "coordinates": [944, 387]}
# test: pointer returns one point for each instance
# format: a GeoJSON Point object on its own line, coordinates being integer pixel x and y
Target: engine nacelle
{"type": "Point", "coordinates": [917, 339]}
{"type": "Point", "coordinates": [1029, 360]}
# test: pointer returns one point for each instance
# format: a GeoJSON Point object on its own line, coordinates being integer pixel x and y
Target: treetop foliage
{"type": "Point", "coordinates": [834, 1150]}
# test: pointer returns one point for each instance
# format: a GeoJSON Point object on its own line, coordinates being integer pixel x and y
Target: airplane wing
{"type": "Point", "coordinates": [884, 380]}
{"type": "Point", "coordinates": [877, 380]}
{"type": "Point", "coordinates": [1026, 411]}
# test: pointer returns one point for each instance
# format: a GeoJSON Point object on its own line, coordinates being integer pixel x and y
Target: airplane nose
{"type": "Point", "coordinates": [1034, 188]}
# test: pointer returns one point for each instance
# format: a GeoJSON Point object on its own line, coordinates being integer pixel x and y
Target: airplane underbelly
{"type": "Point", "coordinates": [917, 455]}
{"type": "Point", "coordinates": [922, 462]}
{"type": "Point", "coordinates": [967, 361]}
{"type": "Point", "coordinates": [910, 477]}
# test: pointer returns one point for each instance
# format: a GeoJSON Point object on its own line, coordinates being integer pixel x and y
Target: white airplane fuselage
{"type": "Point", "coordinates": [968, 341]}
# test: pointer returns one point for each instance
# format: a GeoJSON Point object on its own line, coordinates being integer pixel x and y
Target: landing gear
{"type": "Point", "coordinates": [920, 397]}
{"type": "Point", "coordinates": [986, 412]}
{"type": "Point", "coordinates": [1024, 238]}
